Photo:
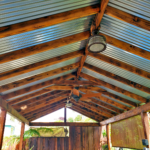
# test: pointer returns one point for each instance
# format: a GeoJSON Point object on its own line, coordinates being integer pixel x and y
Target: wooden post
{"type": "Point", "coordinates": [2, 125]}
{"type": "Point", "coordinates": [65, 114]}
{"type": "Point", "coordinates": [145, 122]}
{"type": "Point", "coordinates": [108, 136]}
{"type": "Point", "coordinates": [21, 136]}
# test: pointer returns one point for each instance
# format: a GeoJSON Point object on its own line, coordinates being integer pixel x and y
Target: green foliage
{"type": "Point", "coordinates": [105, 147]}
{"type": "Point", "coordinates": [44, 130]}
{"type": "Point", "coordinates": [30, 133]}
{"type": "Point", "coordinates": [70, 119]}
{"type": "Point", "coordinates": [104, 133]}
{"type": "Point", "coordinates": [89, 120]}
{"type": "Point", "coordinates": [59, 121]}
{"type": "Point", "coordinates": [78, 118]}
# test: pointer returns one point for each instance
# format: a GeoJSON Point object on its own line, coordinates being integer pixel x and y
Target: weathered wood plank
{"type": "Point", "coordinates": [108, 136]}
{"type": "Point", "coordinates": [130, 113]}
{"type": "Point", "coordinates": [21, 136]}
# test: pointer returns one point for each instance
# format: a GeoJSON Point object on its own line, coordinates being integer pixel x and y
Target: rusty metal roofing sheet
{"type": "Point", "coordinates": [15, 11]}
{"type": "Point", "coordinates": [139, 8]}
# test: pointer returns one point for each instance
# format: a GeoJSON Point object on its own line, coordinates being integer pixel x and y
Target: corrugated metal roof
{"type": "Point", "coordinates": [15, 11]}
{"type": "Point", "coordinates": [126, 32]}
{"type": "Point", "coordinates": [42, 56]}
{"type": "Point", "coordinates": [43, 35]}
{"type": "Point", "coordinates": [37, 82]}
{"type": "Point", "coordinates": [39, 71]}
{"type": "Point", "coordinates": [139, 8]}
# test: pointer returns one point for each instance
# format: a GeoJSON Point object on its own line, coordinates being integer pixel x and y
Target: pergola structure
{"type": "Point", "coordinates": [43, 45]}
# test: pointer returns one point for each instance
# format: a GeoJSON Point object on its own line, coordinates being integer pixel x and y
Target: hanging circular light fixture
{"type": "Point", "coordinates": [96, 43]}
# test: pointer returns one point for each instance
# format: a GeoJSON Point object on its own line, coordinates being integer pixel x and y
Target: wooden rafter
{"type": "Point", "coordinates": [128, 114]}
{"type": "Point", "coordinates": [127, 47]}
{"type": "Point", "coordinates": [115, 88]}
{"type": "Point", "coordinates": [35, 99]}
{"type": "Point", "coordinates": [43, 47]}
{"type": "Point", "coordinates": [109, 101]}
{"type": "Point", "coordinates": [12, 111]}
{"type": "Point", "coordinates": [121, 65]}
{"type": "Point", "coordinates": [39, 65]}
{"type": "Point", "coordinates": [79, 103]}
{"type": "Point", "coordinates": [48, 21]}
{"type": "Point", "coordinates": [94, 26]}
{"type": "Point", "coordinates": [34, 88]}
{"type": "Point", "coordinates": [117, 78]}
{"type": "Point", "coordinates": [38, 77]}
{"type": "Point", "coordinates": [131, 19]}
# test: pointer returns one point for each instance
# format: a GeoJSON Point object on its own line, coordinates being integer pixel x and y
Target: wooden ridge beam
{"type": "Point", "coordinates": [79, 103]}
{"type": "Point", "coordinates": [111, 102]}
{"type": "Point", "coordinates": [39, 65]}
{"type": "Point", "coordinates": [12, 111]}
{"type": "Point", "coordinates": [127, 47]}
{"type": "Point", "coordinates": [38, 77]}
{"type": "Point", "coordinates": [46, 112]}
{"type": "Point", "coordinates": [117, 78]}
{"type": "Point", "coordinates": [43, 109]}
{"type": "Point", "coordinates": [39, 98]}
{"type": "Point", "coordinates": [115, 88]}
{"type": "Point", "coordinates": [39, 104]}
{"type": "Point", "coordinates": [131, 19]}
{"type": "Point", "coordinates": [89, 113]}
{"type": "Point", "coordinates": [128, 114]}
{"type": "Point", "coordinates": [121, 65]}
{"type": "Point", "coordinates": [74, 124]}
{"type": "Point", "coordinates": [33, 88]}
{"type": "Point", "coordinates": [48, 21]}
{"type": "Point", "coordinates": [43, 47]}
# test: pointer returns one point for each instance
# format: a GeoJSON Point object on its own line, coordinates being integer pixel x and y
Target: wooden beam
{"type": "Point", "coordinates": [127, 47]}
{"type": "Point", "coordinates": [121, 65]}
{"type": "Point", "coordinates": [36, 99]}
{"type": "Point", "coordinates": [33, 88]}
{"type": "Point", "coordinates": [46, 112]}
{"type": "Point", "coordinates": [12, 111]}
{"type": "Point", "coordinates": [2, 125]}
{"type": "Point", "coordinates": [38, 77]}
{"type": "Point", "coordinates": [115, 88]}
{"type": "Point", "coordinates": [108, 136]}
{"type": "Point", "coordinates": [48, 21]}
{"type": "Point", "coordinates": [145, 121]}
{"type": "Point", "coordinates": [43, 47]}
{"type": "Point", "coordinates": [131, 19]}
{"type": "Point", "coordinates": [94, 26]}
{"type": "Point", "coordinates": [128, 114]}
{"type": "Point", "coordinates": [79, 103]}
{"type": "Point", "coordinates": [74, 124]}
{"type": "Point", "coordinates": [21, 136]}
{"type": "Point", "coordinates": [117, 78]}
{"type": "Point", "coordinates": [39, 65]}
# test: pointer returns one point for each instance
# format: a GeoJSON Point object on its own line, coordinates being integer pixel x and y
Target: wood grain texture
{"type": "Point", "coordinates": [43, 47]}
{"type": "Point", "coordinates": [118, 78]}
{"type": "Point", "coordinates": [108, 136]}
{"type": "Point", "coordinates": [127, 47]}
{"type": "Point", "coordinates": [115, 88]}
{"type": "Point", "coordinates": [38, 77]}
{"type": "Point", "coordinates": [21, 136]}
{"type": "Point", "coordinates": [2, 125]}
{"type": "Point", "coordinates": [131, 19]}
{"type": "Point", "coordinates": [48, 21]}
{"type": "Point", "coordinates": [130, 113]}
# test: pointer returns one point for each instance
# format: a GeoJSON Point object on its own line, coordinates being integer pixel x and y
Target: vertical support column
{"type": "Point", "coordinates": [21, 136]}
{"type": "Point", "coordinates": [108, 136]}
{"type": "Point", "coordinates": [2, 125]}
{"type": "Point", "coordinates": [65, 114]}
{"type": "Point", "coordinates": [145, 122]}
